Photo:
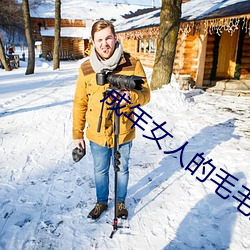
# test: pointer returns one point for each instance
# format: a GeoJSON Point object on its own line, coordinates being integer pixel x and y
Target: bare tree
{"type": "Point", "coordinates": [28, 33]}
{"type": "Point", "coordinates": [11, 24]}
{"type": "Point", "coordinates": [56, 59]}
{"type": "Point", "coordinates": [3, 57]}
{"type": "Point", "coordinates": [11, 17]}
{"type": "Point", "coordinates": [168, 34]}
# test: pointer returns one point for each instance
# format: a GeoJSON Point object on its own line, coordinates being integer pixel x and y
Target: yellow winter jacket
{"type": "Point", "coordinates": [87, 104]}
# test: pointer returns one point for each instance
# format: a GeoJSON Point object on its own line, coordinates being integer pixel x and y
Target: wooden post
{"type": "Point", "coordinates": [201, 60]}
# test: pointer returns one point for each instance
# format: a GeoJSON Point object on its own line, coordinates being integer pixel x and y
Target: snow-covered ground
{"type": "Point", "coordinates": [45, 197]}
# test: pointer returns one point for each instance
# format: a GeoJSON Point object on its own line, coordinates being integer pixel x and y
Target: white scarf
{"type": "Point", "coordinates": [98, 64]}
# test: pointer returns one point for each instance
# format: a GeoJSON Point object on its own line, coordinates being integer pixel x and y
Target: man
{"type": "Point", "coordinates": [107, 54]}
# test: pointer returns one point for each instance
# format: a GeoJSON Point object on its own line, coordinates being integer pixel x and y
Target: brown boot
{"type": "Point", "coordinates": [122, 211]}
{"type": "Point", "coordinates": [97, 210]}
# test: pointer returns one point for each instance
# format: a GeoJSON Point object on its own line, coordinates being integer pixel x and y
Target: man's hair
{"type": "Point", "coordinates": [101, 24]}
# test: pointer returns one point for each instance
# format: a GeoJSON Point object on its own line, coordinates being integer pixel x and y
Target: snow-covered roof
{"type": "Point", "coordinates": [191, 11]}
{"type": "Point", "coordinates": [145, 20]}
{"type": "Point", "coordinates": [85, 10]}
{"type": "Point", "coordinates": [206, 9]}
{"type": "Point", "coordinates": [79, 32]}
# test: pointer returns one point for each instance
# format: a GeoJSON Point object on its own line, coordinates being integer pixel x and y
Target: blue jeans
{"type": "Point", "coordinates": [102, 158]}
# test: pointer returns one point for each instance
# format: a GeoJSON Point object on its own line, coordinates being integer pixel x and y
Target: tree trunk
{"type": "Point", "coordinates": [56, 59]}
{"type": "Point", "coordinates": [168, 34]}
{"type": "Point", "coordinates": [28, 33]}
{"type": "Point", "coordinates": [3, 57]}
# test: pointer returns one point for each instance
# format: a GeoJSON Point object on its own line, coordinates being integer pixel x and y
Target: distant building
{"type": "Point", "coordinates": [77, 19]}
{"type": "Point", "coordinates": [74, 37]}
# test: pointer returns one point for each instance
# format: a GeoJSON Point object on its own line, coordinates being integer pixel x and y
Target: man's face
{"type": "Point", "coordinates": [104, 42]}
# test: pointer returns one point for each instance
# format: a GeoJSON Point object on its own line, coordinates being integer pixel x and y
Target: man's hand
{"type": "Point", "coordinates": [127, 95]}
{"type": "Point", "coordinates": [79, 143]}
{"type": "Point", "coordinates": [117, 98]}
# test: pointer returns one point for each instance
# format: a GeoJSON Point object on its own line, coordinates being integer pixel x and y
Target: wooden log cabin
{"type": "Point", "coordinates": [74, 37]}
{"type": "Point", "coordinates": [211, 45]}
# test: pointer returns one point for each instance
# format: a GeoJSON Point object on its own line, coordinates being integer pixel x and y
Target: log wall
{"type": "Point", "coordinates": [50, 22]}
{"type": "Point", "coordinates": [73, 45]}
{"type": "Point", "coordinates": [132, 46]}
{"type": "Point", "coordinates": [186, 56]}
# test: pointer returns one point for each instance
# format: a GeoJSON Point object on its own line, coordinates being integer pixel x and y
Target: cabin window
{"type": "Point", "coordinates": [152, 45]}
{"type": "Point", "coordinates": [146, 45]}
